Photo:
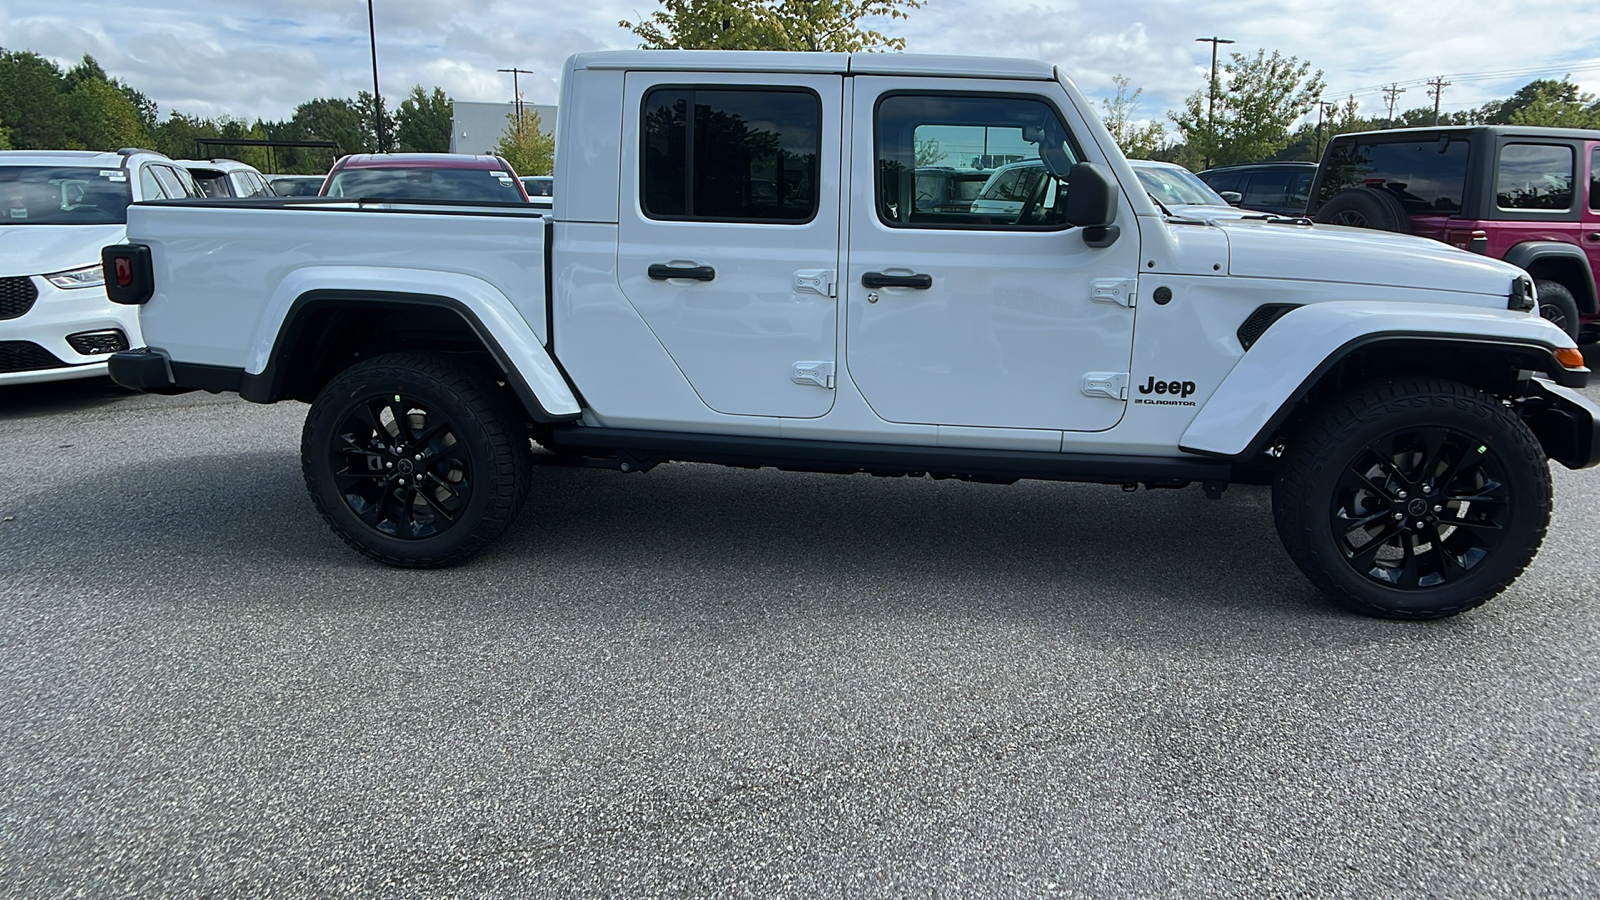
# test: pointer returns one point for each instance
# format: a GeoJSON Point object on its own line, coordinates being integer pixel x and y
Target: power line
{"type": "Point", "coordinates": [1476, 76]}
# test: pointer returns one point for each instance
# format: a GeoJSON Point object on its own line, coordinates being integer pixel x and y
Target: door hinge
{"type": "Point", "coordinates": [1111, 385]}
{"type": "Point", "coordinates": [1120, 291]}
{"type": "Point", "coordinates": [817, 373]}
{"type": "Point", "coordinates": [816, 281]}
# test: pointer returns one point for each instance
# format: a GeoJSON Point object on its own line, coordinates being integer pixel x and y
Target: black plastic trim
{"type": "Point", "coordinates": [142, 287]}
{"type": "Point", "coordinates": [1572, 378]}
{"type": "Point", "coordinates": [884, 459]}
{"type": "Point", "coordinates": [150, 370]}
{"type": "Point", "coordinates": [269, 386]}
{"type": "Point", "coordinates": [1530, 252]}
{"type": "Point", "coordinates": [1566, 423]}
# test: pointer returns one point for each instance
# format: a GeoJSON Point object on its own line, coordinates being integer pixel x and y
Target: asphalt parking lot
{"type": "Point", "coordinates": [709, 682]}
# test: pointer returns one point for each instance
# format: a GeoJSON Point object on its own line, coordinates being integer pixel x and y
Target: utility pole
{"type": "Point", "coordinates": [1211, 88]}
{"type": "Point", "coordinates": [377, 98]}
{"type": "Point", "coordinates": [1436, 88]}
{"type": "Point", "coordinates": [1323, 107]}
{"type": "Point", "coordinates": [516, 92]}
{"type": "Point", "coordinates": [1393, 92]}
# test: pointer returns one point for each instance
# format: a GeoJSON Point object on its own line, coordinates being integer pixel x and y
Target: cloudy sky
{"type": "Point", "coordinates": [260, 58]}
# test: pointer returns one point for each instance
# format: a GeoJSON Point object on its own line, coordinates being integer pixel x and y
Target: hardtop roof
{"type": "Point", "coordinates": [786, 62]}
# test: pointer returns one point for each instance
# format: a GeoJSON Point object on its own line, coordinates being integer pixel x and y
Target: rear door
{"type": "Point", "coordinates": [1591, 210]}
{"type": "Point", "coordinates": [728, 239]}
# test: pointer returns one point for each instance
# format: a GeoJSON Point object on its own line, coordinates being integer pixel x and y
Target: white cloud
{"type": "Point", "coordinates": [255, 58]}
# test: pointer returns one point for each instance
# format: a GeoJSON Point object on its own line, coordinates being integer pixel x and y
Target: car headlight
{"type": "Point", "coordinates": [88, 276]}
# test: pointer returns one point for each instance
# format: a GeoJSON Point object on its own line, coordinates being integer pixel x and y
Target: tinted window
{"type": "Point", "coordinates": [63, 195]}
{"type": "Point", "coordinates": [175, 184]}
{"type": "Point", "coordinates": [1267, 189]}
{"type": "Point", "coordinates": [1013, 144]}
{"type": "Point", "coordinates": [1427, 175]}
{"type": "Point", "coordinates": [422, 183]}
{"type": "Point", "coordinates": [1594, 180]}
{"type": "Point", "coordinates": [212, 184]}
{"type": "Point", "coordinates": [1534, 176]}
{"type": "Point", "coordinates": [742, 155]}
{"type": "Point", "coordinates": [1222, 181]}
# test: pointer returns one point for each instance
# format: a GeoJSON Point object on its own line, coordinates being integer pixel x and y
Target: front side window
{"type": "Point", "coordinates": [731, 154]}
{"type": "Point", "coordinates": [1428, 175]}
{"type": "Point", "coordinates": [63, 195]}
{"type": "Point", "coordinates": [971, 161]}
{"type": "Point", "coordinates": [174, 183]}
{"type": "Point", "coordinates": [1534, 176]}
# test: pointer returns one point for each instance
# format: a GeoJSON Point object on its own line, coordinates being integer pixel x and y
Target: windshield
{"type": "Point", "coordinates": [426, 184]}
{"type": "Point", "coordinates": [1177, 187]}
{"type": "Point", "coordinates": [63, 195]}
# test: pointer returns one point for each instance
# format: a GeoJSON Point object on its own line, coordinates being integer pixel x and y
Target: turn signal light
{"type": "Point", "coordinates": [1571, 357]}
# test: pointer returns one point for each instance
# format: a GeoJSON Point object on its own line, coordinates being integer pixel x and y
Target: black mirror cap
{"type": "Point", "coordinates": [1092, 204]}
{"type": "Point", "coordinates": [130, 279]}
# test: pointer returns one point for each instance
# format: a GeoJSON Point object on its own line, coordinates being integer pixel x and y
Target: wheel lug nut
{"type": "Point", "coordinates": [388, 465]}
{"type": "Point", "coordinates": [402, 482]}
{"type": "Point", "coordinates": [1438, 508]}
{"type": "Point", "coordinates": [1399, 516]}
{"type": "Point", "coordinates": [1401, 495]}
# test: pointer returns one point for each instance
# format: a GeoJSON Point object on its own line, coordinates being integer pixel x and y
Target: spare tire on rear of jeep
{"type": "Point", "coordinates": [1365, 207]}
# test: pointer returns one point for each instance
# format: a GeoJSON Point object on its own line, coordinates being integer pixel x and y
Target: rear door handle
{"type": "Point", "coordinates": [878, 279]}
{"type": "Point", "coordinates": [659, 272]}
{"type": "Point", "coordinates": [1594, 235]}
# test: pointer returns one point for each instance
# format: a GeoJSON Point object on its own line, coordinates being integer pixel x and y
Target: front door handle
{"type": "Point", "coordinates": [1594, 235]}
{"type": "Point", "coordinates": [659, 272]}
{"type": "Point", "coordinates": [878, 279]}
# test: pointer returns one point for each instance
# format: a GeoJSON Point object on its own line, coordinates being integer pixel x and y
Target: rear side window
{"type": "Point", "coordinates": [1268, 189]}
{"type": "Point", "coordinates": [731, 155]}
{"type": "Point", "coordinates": [1594, 179]}
{"type": "Point", "coordinates": [173, 183]}
{"type": "Point", "coordinates": [1534, 176]}
{"type": "Point", "coordinates": [1222, 181]}
{"type": "Point", "coordinates": [1429, 176]}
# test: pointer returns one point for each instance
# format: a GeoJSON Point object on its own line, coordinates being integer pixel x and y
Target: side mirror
{"type": "Point", "coordinates": [1233, 198]}
{"type": "Point", "coordinates": [1092, 204]}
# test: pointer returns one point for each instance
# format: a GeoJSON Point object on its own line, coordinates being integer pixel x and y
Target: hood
{"type": "Point", "coordinates": [1332, 253]}
{"type": "Point", "coordinates": [42, 249]}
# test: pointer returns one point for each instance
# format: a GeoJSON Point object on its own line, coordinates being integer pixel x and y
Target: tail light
{"type": "Point", "coordinates": [129, 275]}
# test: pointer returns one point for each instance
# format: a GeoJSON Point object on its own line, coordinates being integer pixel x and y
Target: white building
{"type": "Point", "coordinates": [478, 127]}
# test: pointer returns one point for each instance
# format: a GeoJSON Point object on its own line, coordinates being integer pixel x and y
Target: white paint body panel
{"type": "Point", "coordinates": [993, 357]}
{"type": "Point", "coordinates": [1289, 351]}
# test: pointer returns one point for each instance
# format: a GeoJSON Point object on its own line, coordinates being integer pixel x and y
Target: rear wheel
{"type": "Point", "coordinates": [1413, 499]}
{"type": "Point", "coordinates": [1557, 305]}
{"type": "Point", "coordinates": [415, 459]}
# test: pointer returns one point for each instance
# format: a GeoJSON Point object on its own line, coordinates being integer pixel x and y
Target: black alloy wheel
{"type": "Point", "coordinates": [1421, 507]}
{"type": "Point", "coordinates": [416, 459]}
{"type": "Point", "coordinates": [396, 463]}
{"type": "Point", "coordinates": [1414, 498]}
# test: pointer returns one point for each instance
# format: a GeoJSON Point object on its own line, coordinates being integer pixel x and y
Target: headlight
{"type": "Point", "coordinates": [88, 276]}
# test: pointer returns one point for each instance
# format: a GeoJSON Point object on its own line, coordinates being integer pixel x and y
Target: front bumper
{"type": "Point", "coordinates": [41, 334]}
{"type": "Point", "coordinates": [1566, 423]}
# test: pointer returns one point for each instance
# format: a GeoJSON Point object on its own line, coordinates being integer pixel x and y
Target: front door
{"type": "Point", "coordinates": [995, 313]}
{"type": "Point", "coordinates": [728, 235]}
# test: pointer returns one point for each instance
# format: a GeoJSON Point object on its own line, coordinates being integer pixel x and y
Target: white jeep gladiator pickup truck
{"type": "Point", "coordinates": [739, 269]}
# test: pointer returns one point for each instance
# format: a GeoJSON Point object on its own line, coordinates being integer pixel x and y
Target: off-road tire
{"type": "Point", "coordinates": [1314, 504]}
{"type": "Point", "coordinates": [1365, 207]}
{"type": "Point", "coordinates": [477, 456]}
{"type": "Point", "coordinates": [1558, 306]}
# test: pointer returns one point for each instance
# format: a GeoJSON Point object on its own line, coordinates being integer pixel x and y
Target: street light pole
{"type": "Point", "coordinates": [1211, 87]}
{"type": "Point", "coordinates": [377, 98]}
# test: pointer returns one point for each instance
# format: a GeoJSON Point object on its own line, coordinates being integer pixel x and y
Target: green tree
{"type": "Point", "coordinates": [32, 100]}
{"type": "Point", "coordinates": [1257, 100]}
{"type": "Point", "coordinates": [101, 118]}
{"type": "Point", "coordinates": [5, 136]}
{"type": "Point", "coordinates": [526, 146]}
{"type": "Point", "coordinates": [826, 25]}
{"type": "Point", "coordinates": [1558, 104]}
{"type": "Point", "coordinates": [423, 122]}
{"type": "Point", "coordinates": [1136, 141]}
{"type": "Point", "coordinates": [337, 120]}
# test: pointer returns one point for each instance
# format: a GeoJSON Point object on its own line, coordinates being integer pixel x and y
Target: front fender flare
{"type": "Point", "coordinates": [1282, 367]}
{"type": "Point", "coordinates": [1528, 253]}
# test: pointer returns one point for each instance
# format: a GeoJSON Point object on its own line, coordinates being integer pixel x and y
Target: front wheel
{"type": "Point", "coordinates": [1558, 306]}
{"type": "Point", "coordinates": [1413, 499]}
{"type": "Point", "coordinates": [414, 459]}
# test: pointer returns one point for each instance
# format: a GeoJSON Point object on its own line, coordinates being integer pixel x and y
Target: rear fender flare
{"type": "Point", "coordinates": [507, 337]}
{"type": "Point", "coordinates": [1529, 254]}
